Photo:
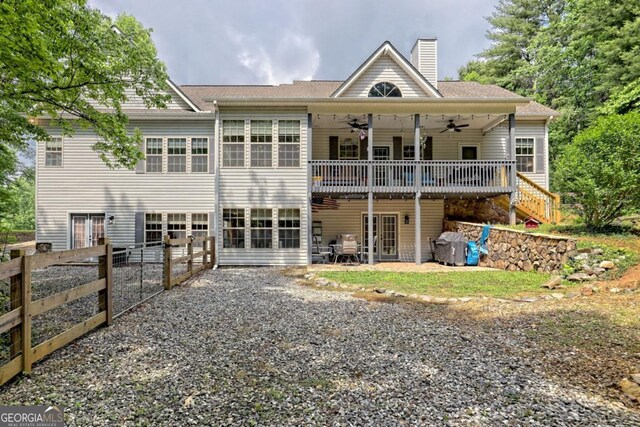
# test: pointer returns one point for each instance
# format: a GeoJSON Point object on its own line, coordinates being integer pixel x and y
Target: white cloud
{"type": "Point", "coordinates": [291, 56]}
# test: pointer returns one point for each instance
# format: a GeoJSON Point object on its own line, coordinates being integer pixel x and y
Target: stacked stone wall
{"type": "Point", "coordinates": [516, 250]}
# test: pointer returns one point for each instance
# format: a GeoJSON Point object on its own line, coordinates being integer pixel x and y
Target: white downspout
{"type": "Point", "coordinates": [216, 185]}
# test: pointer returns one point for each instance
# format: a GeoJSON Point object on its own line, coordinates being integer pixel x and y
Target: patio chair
{"type": "Point", "coordinates": [347, 247]}
{"type": "Point", "coordinates": [318, 255]}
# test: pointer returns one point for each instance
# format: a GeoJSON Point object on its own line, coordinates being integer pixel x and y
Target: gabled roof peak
{"type": "Point", "coordinates": [387, 48]}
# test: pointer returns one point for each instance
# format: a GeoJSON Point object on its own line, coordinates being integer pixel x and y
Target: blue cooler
{"type": "Point", "coordinates": [472, 253]}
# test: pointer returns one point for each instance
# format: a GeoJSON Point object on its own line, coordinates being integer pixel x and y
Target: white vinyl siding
{"type": "Point", "coordinates": [53, 152]}
{"type": "Point", "coordinates": [424, 56]}
{"type": "Point", "coordinates": [267, 188]}
{"type": "Point", "coordinates": [385, 69]}
{"type": "Point", "coordinates": [86, 184]}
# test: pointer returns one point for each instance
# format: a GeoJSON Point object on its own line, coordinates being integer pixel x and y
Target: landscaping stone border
{"type": "Point", "coordinates": [515, 250]}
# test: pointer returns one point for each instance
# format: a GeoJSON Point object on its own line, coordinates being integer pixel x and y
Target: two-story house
{"type": "Point", "coordinates": [273, 170]}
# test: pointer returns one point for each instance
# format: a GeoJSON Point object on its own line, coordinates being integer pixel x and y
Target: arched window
{"type": "Point", "coordinates": [384, 90]}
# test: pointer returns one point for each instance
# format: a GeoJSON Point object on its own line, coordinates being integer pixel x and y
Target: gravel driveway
{"type": "Point", "coordinates": [250, 347]}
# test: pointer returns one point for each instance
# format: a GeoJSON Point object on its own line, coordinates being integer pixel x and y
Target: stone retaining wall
{"type": "Point", "coordinates": [485, 211]}
{"type": "Point", "coordinates": [516, 250]}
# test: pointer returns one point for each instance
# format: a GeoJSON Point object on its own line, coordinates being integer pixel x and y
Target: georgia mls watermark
{"type": "Point", "coordinates": [31, 416]}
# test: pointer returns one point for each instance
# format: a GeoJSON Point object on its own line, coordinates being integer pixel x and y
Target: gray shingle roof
{"type": "Point", "coordinates": [324, 89]}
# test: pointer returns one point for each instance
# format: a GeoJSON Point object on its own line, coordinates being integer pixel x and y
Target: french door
{"type": "Point", "coordinates": [86, 229]}
{"type": "Point", "coordinates": [385, 232]}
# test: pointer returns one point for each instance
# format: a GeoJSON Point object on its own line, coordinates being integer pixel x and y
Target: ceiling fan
{"type": "Point", "coordinates": [452, 127]}
{"type": "Point", "coordinates": [357, 125]}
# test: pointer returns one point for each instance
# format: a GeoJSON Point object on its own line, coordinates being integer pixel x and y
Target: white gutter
{"type": "Point", "coordinates": [216, 184]}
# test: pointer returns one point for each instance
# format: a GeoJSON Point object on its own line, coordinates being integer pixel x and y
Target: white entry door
{"type": "Point", "coordinates": [385, 232]}
{"type": "Point", "coordinates": [86, 229]}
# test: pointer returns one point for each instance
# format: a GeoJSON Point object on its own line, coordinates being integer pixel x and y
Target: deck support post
{"type": "Point", "coordinates": [309, 183]}
{"type": "Point", "coordinates": [511, 150]}
{"type": "Point", "coordinates": [371, 242]}
{"type": "Point", "coordinates": [418, 184]}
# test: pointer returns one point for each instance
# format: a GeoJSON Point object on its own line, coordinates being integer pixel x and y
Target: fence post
{"type": "Point", "coordinates": [166, 270]}
{"type": "Point", "coordinates": [212, 252]}
{"type": "Point", "coordinates": [204, 251]}
{"type": "Point", "coordinates": [105, 271]}
{"type": "Point", "coordinates": [190, 260]}
{"type": "Point", "coordinates": [26, 314]}
{"type": "Point", "coordinates": [16, 302]}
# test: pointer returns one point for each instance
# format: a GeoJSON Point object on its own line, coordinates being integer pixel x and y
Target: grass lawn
{"type": "Point", "coordinates": [498, 284]}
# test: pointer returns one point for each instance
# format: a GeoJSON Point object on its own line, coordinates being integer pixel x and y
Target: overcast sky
{"type": "Point", "coordinates": [277, 41]}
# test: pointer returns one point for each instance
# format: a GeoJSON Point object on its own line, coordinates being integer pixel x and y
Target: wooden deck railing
{"type": "Point", "coordinates": [180, 251]}
{"type": "Point", "coordinates": [399, 176]}
{"type": "Point", "coordinates": [536, 201]}
{"type": "Point", "coordinates": [19, 319]}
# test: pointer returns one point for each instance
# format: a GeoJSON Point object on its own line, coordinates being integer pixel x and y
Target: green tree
{"type": "Point", "coordinates": [598, 171]}
{"type": "Point", "coordinates": [17, 210]}
{"type": "Point", "coordinates": [60, 59]}
{"type": "Point", "coordinates": [507, 61]}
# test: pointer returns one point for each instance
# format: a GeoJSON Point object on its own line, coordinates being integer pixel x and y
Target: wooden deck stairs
{"type": "Point", "coordinates": [533, 201]}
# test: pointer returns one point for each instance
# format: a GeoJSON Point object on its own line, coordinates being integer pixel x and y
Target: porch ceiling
{"type": "Point", "coordinates": [404, 122]}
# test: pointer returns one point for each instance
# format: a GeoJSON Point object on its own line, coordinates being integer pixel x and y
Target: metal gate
{"type": "Point", "coordinates": [137, 275]}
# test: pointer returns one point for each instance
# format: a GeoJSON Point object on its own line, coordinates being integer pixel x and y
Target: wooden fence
{"type": "Point", "coordinates": [184, 247]}
{"type": "Point", "coordinates": [23, 309]}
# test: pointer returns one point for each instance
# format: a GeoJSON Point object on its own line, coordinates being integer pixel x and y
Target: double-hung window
{"type": "Point", "coordinates": [349, 149]}
{"type": "Point", "coordinates": [53, 152]}
{"type": "Point", "coordinates": [199, 155]}
{"type": "Point", "coordinates": [153, 153]}
{"type": "Point", "coordinates": [524, 154]}
{"type": "Point", "coordinates": [233, 143]}
{"type": "Point", "coordinates": [261, 228]}
{"type": "Point", "coordinates": [177, 225]}
{"type": "Point", "coordinates": [233, 228]}
{"type": "Point", "coordinates": [153, 227]}
{"type": "Point", "coordinates": [289, 228]}
{"type": "Point", "coordinates": [176, 154]}
{"type": "Point", "coordinates": [408, 152]}
{"type": "Point", "coordinates": [261, 143]}
{"type": "Point", "coordinates": [289, 143]}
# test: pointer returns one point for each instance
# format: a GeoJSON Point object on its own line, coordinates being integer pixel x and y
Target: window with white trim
{"type": "Point", "coordinates": [233, 228]}
{"type": "Point", "coordinates": [288, 143]}
{"type": "Point", "coordinates": [408, 152]}
{"type": "Point", "coordinates": [177, 225]}
{"type": "Point", "coordinates": [525, 154]}
{"type": "Point", "coordinates": [199, 226]}
{"type": "Point", "coordinates": [153, 154]}
{"type": "Point", "coordinates": [261, 229]}
{"type": "Point", "coordinates": [53, 152]}
{"type": "Point", "coordinates": [176, 154]}
{"type": "Point", "coordinates": [289, 228]}
{"type": "Point", "coordinates": [233, 143]}
{"type": "Point", "coordinates": [349, 149]}
{"type": "Point", "coordinates": [153, 227]}
{"type": "Point", "coordinates": [199, 155]}
{"type": "Point", "coordinates": [261, 143]}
